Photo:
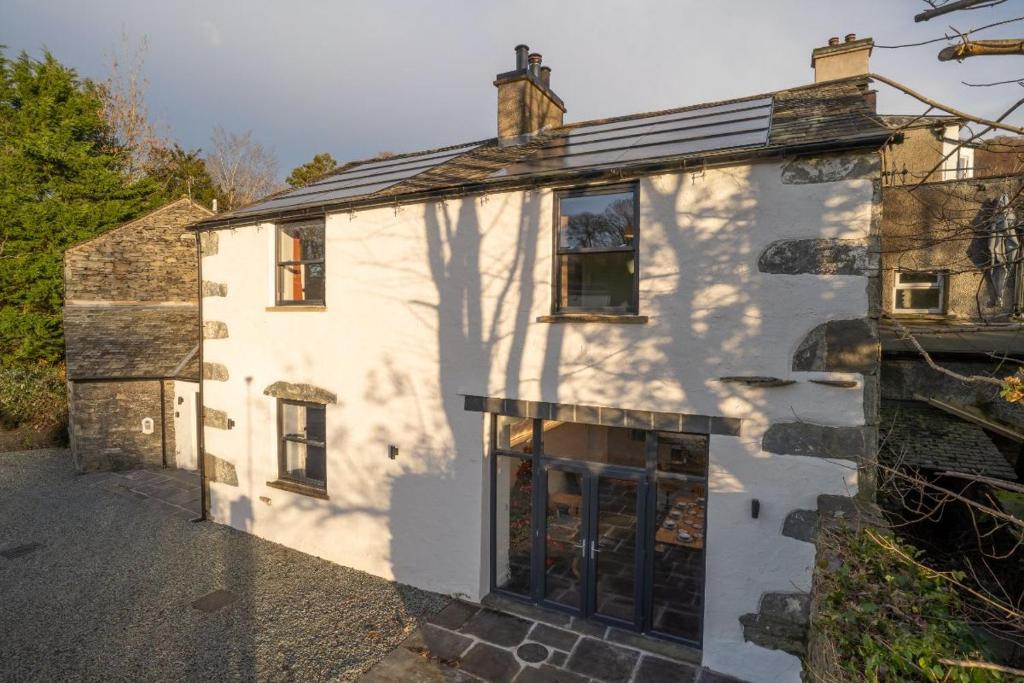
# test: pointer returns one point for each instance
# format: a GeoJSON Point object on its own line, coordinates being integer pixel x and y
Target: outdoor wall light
{"type": "Point", "coordinates": [755, 508]}
{"type": "Point", "coordinates": [392, 451]}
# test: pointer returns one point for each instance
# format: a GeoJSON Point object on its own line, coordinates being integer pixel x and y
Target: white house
{"type": "Point", "coordinates": [602, 367]}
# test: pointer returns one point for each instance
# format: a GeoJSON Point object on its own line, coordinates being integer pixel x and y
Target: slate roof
{"type": "Point", "coordinates": [917, 434]}
{"type": "Point", "coordinates": [132, 341]}
{"type": "Point", "coordinates": [822, 116]}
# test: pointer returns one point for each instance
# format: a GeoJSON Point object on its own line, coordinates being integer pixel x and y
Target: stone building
{"type": "Point", "coordinates": [131, 327]}
{"type": "Point", "coordinates": [602, 368]}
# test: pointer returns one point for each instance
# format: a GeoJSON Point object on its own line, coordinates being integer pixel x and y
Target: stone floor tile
{"type": "Point", "coordinates": [442, 643]}
{"type": "Point", "coordinates": [602, 661]}
{"type": "Point", "coordinates": [557, 658]}
{"type": "Point", "coordinates": [490, 663]}
{"type": "Point", "coordinates": [663, 648]}
{"type": "Point", "coordinates": [657, 670]}
{"type": "Point", "coordinates": [548, 674]}
{"type": "Point", "coordinates": [454, 615]}
{"type": "Point", "coordinates": [588, 628]}
{"type": "Point", "coordinates": [532, 612]}
{"type": "Point", "coordinates": [555, 637]}
{"type": "Point", "coordinates": [410, 667]}
{"type": "Point", "coordinates": [498, 628]}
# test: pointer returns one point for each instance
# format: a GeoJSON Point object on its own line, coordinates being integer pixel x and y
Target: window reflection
{"type": "Point", "coordinates": [594, 443]}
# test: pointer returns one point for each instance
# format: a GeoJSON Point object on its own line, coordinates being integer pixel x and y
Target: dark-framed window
{"type": "Point", "coordinates": [300, 262]}
{"type": "Point", "coordinates": [302, 443]}
{"type": "Point", "coordinates": [596, 240]}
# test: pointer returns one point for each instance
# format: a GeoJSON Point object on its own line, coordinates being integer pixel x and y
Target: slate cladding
{"type": "Point", "coordinates": [919, 435]}
{"type": "Point", "coordinates": [825, 116]}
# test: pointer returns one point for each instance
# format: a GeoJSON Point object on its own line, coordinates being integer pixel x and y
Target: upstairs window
{"type": "Point", "coordinates": [300, 263]}
{"type": "Point", "coordinates": [919, 292]}
{"type": "Point", "coordinates": [596, 251]}
{"type": "Point", "coordinates": [302, 447]}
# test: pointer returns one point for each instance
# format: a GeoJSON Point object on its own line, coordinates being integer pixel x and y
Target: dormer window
{"type": "Point", "coordinates": [596, 251]}
{"type": "Point", "coordinates": [300, 263]}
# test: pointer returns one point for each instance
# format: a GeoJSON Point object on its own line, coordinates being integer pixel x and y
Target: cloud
{"type": "Point", "coordinates": [211, 33]}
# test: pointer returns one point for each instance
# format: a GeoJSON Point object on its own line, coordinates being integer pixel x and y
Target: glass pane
{"type": "Point", "coordinates": [616, 545]}
{"type": "Point", "coordinates": [294, 460]}
{"type": "Point", "coordinates": [907, 278]}
{"type": "Point", "coordinates": [293, 420]}
{"type": "Point", "coordinates": [515, 434]}
{"type": "Point", "coordinates": [683, 454]}
{"type": "Point", "coordinates": [596, 221]}
{"type": "Point", "coordinates": [918, 299]}
{"type": "Point", "coordinates": [301, 241]}
{"type": "Point", "coordinates": [563, 560]}
{"type": "Point", "coordinates": [304, 461]}
{"type": "Point", "coordinates": [601, 280]}
{"type": "Point", "coordinates": [301, 282]}
{"type": "Point", "coordinates": [594, 443]}
{"type": "Point", "coordinates": [678, 590]}
{"type": "Point", "coordinates": [514, 488]}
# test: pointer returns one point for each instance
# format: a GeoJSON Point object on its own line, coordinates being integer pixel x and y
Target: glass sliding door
{"type": "Point", "coordinates": [513, 506]}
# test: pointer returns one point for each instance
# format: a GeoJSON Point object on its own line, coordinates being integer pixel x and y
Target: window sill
{"type": "Point", "coordinates": [620, 319]}
{"type": "Point", "coordinates": [296, 487]}
{"type": "Point", "coordinates": [312, 308]}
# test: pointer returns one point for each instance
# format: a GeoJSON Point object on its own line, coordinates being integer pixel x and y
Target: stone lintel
{"type": "Point", "coordinates": [218, 419]}
{"type": "Point", "coordinates": [818, 441]}
{"type": "Point", "coordinates": [300, 392]}
{"type": "Point", "coordinates": [215, 372]}
{"type": "Point", "coordinates": [220, 470]}
{"type": "Point", "coordinates": [214, 329]}
{"type": "Point", "coordinates": [609, 417]}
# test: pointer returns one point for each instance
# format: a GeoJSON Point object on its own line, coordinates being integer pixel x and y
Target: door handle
{"type": "Point", "coordinates": [582, 545]}
{"type": "Point", "coordinates": [593, 549]}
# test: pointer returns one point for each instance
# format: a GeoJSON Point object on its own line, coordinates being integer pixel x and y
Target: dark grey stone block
{"type": "Point", "coordinates": [563, 413]}
{"type": "Point", "coordinates": [726, 426]}
{"type": "Point", "coordinates": [700, 424]}
{"type": "Point", "coordinates": [839, 346]}
{"type": "Point", "coordinates": [454, 615]}
{"type": "Point", "coordinates": [587, 628]}
{"type": "Point", "coordinates": [612, 417]}
{"type": "Point", "coordinates": [780, 623]}
{"type": "Point", "coordinates": [815, 257]}
{"type": "Point", "coordinates": [490, 663]}
{"type": "Point", "coordinates": [498, 628]}
{"type": "Point", "coordinates": [525, 610]}
{"type": "Point", "coordinates": [801, 525]}
{"type": "Point", "coordinates": [532, 652]}
{"type": "Point", "coordinates": [588, 415]}
{"type": "Point", "coordinates": [602, 660]}
{"type": "Point", "coordinates": [831, 168]}
{"type": "Point", "coordinates": [757, 381]}
{"type": "Point", "coordinates": [819, 441]}
{"type": "Point", "coordinates": [667, 422]}
{"type": "Point", "coordinates": [554, 637]}
{"type": "Point", "coordinates": [474, 404]}
{"type": "Point", "coordinates": [656, 670]}
{"type": "Point", "coordinates": [557, 658]}
{"type": "Point", "coordinates": [664, 648]}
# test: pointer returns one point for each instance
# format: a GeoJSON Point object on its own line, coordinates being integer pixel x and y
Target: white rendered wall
{"type": "Point", "coordinates": [428, 302]}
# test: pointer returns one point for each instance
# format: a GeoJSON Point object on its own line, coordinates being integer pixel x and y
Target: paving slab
{"type": "Point", "coordinates": [657, 670]}
{"type": "Point", "coordinates": [490, 663]}
{"type": "Point", "coordinates": [603, 661]}
{"type": "Point", "coordinates": [497, 627]}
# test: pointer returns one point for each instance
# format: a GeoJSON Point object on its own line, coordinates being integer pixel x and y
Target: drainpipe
{"type": "Point", "coordinates": [200, 407]}
{"type": "Point", "coordinates": [163, 427]}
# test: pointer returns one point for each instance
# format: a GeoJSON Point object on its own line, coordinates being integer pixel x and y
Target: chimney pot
{"type": "Point", "coordinates": [834, 40]}
{"type": "Point", "coordinates": [545, 76]}
{"type": "Point", "coordinates": [535, 60]}
{"type": "Point", "coordinates": [521, 52]}
{"type": "Point", "coordinates": [850, 37]}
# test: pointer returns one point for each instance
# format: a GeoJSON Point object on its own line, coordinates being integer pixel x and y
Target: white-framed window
{"type": "Point", "coordinates": [919, 292]}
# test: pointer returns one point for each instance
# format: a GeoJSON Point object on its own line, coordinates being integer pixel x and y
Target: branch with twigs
{"type": "Point", "coordinates": [906, 335]}
{"type": "Point", "coordinates": [954, 6]}
{"type": "Point", "coordinates": [981, 48]}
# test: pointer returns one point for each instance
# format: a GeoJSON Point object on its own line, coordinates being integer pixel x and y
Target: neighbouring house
{"type": "Point", "coordinates": [951, 283]}
{"type": "Point", "coordinates": [605, 367]}
{"type": "Point", "coordinates": [131, 327]}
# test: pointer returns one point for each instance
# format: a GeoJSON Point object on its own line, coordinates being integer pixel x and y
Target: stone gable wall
{"type": "Point", "coordinates": [106, 425]}
{"type": "Point", "coordinates": [150, 259]}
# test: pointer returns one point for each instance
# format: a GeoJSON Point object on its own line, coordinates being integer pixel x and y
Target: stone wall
{"type": "Point", "coordinates": [106, 424]}
{"type": "Point", "coordinates": [932, 229]}
{"type": "Point", "coordinates": [151, 259]}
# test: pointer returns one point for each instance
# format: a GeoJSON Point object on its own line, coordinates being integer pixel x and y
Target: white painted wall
{"type": "Point", "coordinates": [428, 302]}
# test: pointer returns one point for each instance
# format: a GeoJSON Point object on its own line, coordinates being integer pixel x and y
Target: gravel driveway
{"type": "Point", "coordinates": [108, 593]}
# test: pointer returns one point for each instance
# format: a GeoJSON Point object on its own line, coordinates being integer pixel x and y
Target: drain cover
{"type": "Point", "coordinates": [17, 551]}
{"type": "Point", "coordinates": [211, 602]}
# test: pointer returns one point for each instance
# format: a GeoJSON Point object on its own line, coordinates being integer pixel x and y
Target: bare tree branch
{"type": "Point", "coordinates": [954, 6]}
{"type": "Point", "coordinates": [979, 48]}
{"type": "Point", "coordinates": [973, 664]}
{"type": "Point", "coordinates": [948, 37]}
{"type": "Point", "coordinates": [905, 335]}
{"type": "Point", "coordinates": [1018, 81]}
{"type": "Point", "coordinates": [243, 168]}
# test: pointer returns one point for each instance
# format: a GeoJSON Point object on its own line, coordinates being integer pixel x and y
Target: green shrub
{"type": "Point", "coordinates": [886, 618]}
{"type": "Point", "coordinates": [32, 396]}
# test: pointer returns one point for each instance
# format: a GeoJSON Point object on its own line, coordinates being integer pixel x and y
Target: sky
{"type": "Point", "coordinates": [357, 78]}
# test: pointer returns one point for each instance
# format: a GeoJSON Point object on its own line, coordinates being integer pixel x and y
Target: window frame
{"type": "Point", "coordinates": [279, 266]}
{"type": "Point", "coordinates": [282, 439]}
{"type": "Point", "coordinates": [941, 277]}
{"type": "Point", "coordinates": [588, 191]}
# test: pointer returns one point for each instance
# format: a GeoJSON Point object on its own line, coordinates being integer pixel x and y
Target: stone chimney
{"type": "Point", "coordinates": [526, 104]}
{"type": "Point", "coordinates": [841, 59]}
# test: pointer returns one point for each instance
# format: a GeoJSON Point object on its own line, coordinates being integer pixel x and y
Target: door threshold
{"type": "Point", "coordinates": [593, 629]}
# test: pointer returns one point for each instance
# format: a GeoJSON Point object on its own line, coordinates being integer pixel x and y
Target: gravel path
{"type": "Point", "coordinates": [108, 594]}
